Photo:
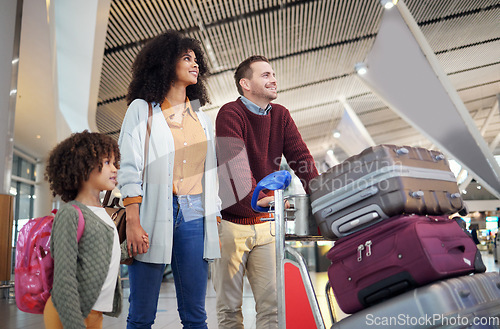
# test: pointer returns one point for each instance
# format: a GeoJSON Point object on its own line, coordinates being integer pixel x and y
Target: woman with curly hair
{"type": "Point", "coordinates": [86, 279]}
{"type": "Point", "coordinates": [171, 191]}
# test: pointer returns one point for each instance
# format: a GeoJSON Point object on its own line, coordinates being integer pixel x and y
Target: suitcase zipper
{"type": "Point", "coordinates": [342, 249]}
{"type": "Point", "coordinates": [368, 245]}
{"type": "Point", "coordinates": [361, 247]}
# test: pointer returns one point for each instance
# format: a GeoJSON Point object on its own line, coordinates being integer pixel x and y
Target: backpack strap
{"type": "Point", "coordinates": [81, 223]}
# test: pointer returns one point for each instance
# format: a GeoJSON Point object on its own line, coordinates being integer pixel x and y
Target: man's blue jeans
{"type": "Point", "coordinates": [190, 272]}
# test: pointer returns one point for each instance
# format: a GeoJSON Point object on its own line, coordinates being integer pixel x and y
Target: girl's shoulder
{"type": "Point", "coordinates": [68, 209]}
{"type": "Point", "coordinates": [65, 219]}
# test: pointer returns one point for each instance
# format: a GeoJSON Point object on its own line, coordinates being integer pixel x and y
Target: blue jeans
{"type": "Point", "coordinates": [190, 272]}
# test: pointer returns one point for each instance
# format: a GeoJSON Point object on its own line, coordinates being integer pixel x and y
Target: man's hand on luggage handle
{"type": "Point", "coordinates": [264, 202]}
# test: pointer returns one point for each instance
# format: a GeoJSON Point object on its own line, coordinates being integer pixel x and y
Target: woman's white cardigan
{"type": "Point", "coordinates": [156, 212]}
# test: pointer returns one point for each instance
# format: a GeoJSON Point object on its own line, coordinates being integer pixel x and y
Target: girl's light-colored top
{"type": "Point", "coordinates": [104, 302]}
{"type": "Point", "coordinates": [156, 212]}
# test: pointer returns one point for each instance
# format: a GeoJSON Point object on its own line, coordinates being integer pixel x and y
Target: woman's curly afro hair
{"type": "Point", "coordinates": [72, 160]}
{"type": "Point", "coordinates": [153, 70]}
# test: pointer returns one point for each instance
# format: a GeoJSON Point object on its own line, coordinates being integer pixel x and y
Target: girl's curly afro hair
{"type": "Point", "coordinates": [153, 70]}
{"type": "Point", "coordinates": [72, 160]}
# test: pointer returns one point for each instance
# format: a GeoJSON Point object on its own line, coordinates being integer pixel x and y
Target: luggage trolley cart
{"type": "Point", "coordinates": [292, 278]}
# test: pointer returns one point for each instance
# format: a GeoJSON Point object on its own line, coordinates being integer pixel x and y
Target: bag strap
{"type": "Point", "coordinates": [106, 198]}
{"type": "Point", "coordinates": [148, 135]}
{"type": "Point", "coordinates": [146, 150]}
{"type": "Point", "coordinates": [81, 223]}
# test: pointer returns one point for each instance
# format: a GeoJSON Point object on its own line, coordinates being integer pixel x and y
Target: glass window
{"type": "Point", "coordinates": [27, 170]}
{"type": "Point", "coordinates": [25, 195]}
{"type": "Point", "coordinates": [15, 229]}
{"type": "Point", "coordinates": [23, 206]}
{"type": "Point", "coordinates": [15, 165]}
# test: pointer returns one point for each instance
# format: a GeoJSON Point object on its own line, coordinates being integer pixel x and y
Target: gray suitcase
{"type": "Point", "coordinates": [471, 301]}
{"type": "Point", "coordinates": [381, 182]}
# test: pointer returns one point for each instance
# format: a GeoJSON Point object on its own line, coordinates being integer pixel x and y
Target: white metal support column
{"type": "Point", "coordinates": [10, 34]}
{"type": "Point", "coordinates": [405, 73]}
{"type": "Point", "coordinates": [492, 145]}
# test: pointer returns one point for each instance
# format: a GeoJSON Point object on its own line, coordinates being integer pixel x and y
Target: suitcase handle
{"type": "Point", "coordinates": [402, 151]}
{"type": "Point", "coordinates": [276, 181]}
{"type": "Point", "coordinates": [439, 218]}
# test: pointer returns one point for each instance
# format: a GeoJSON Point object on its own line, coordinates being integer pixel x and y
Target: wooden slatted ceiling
{"type": "Point", "coordinates": [313, 46]}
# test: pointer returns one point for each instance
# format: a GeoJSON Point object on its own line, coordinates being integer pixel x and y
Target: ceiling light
{"type": "Point", "coordinates": [336, 134]}
{"type": "Point", "coordinates": [13, 92]}
{"type": "Point", "coordinates": [479, 187]}
{"type": "Point", "coordinates": [329, 152]}
{"type": "Point", "coordinates": [464, 192]}
{"type": "Point", "coordinates": [38, 136]}
{"type": "Point", "coordinates": [388, 4]}
{"type": "Point", "coordinates": [361, 68]}
{"type": "Point", "coordinates": [15, 61]}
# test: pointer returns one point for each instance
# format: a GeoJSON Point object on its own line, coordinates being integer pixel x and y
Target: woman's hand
{"type": "Point", "coordinates": [136, 243]}
{"type": "Point", "coordinates": [145, 238]}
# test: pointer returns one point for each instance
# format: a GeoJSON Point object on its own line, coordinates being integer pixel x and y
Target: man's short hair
{"type": "Point", "coordinates": [244, 70]}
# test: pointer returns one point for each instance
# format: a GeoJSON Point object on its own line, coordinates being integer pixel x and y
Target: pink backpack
{"type": "Point", "coordinates": [34, 270]}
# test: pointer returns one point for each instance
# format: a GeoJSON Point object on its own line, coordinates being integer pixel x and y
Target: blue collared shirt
{"type": "Point", "coordinates": [254, 108]}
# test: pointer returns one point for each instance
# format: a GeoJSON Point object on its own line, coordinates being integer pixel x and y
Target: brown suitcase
{"type": "Point", "coordinates": [381, 182]}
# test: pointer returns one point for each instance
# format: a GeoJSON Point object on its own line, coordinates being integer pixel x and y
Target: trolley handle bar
{"type": "Point", "coordinates": [275, 181]}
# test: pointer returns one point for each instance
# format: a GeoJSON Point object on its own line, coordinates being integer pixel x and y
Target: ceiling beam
{"type": "Point", "coordinates": [492, 145]}
{"type": "Point", "coordinates": [352, 134]}
{"type": "Point", "coordinates": [404, 72]}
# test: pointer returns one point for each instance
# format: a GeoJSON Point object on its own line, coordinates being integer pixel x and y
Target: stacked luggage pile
{"type": "Point", "coordinates": [398, 257]}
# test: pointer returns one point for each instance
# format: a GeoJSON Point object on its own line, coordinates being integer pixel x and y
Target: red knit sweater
{"type": "Point", "coordinates": [249, 147]}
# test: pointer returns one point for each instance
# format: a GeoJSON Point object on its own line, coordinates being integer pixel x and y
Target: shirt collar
{"type": "Point", "coordinates": [169, 111]}
{"type": "Point", "coordinates": [254, 108]}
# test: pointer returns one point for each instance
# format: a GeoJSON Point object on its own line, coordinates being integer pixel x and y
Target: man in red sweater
{"type": "Point", "coordinates": [252, 135]}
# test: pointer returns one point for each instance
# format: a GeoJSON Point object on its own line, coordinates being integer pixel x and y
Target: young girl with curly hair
{"type": "Point", "coordinates": [173, 196]}
{"type": "Point", "coordinates": [86, 272]}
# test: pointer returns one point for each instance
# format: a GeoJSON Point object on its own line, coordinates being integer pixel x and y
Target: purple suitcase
{"type": "Point", "coordinates": [470, 301]}
{"type": "Point", "coordinates": [394, 256]}
{"type": "Point", "coordinates": [382, 182]}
